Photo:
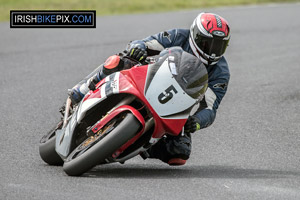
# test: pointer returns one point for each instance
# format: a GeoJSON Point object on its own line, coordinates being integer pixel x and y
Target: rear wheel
{"type": "Point", "coordinates": [47, 147]}
{"type": "Point", "coordinates": [102, 145]}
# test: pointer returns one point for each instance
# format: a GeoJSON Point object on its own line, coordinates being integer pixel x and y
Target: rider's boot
{"type": "Point", "coordinates": [174, 150]}
{"type": "Point", "coordinates": [82, 88]}
{"type": "Point", "coordinates": [112, 64]}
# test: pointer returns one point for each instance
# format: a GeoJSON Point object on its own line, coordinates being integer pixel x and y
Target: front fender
{"type": "Point", "coordinates": [114, 113]}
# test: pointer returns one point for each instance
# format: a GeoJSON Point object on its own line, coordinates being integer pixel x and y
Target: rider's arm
{"type": "Point", "coordinates": [217, 87]}
{"type": "Point", "coordinates": [156, 43]}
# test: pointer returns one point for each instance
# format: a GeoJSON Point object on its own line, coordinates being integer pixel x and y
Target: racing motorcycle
{"type": "Point", "coordinates": [126, 113]}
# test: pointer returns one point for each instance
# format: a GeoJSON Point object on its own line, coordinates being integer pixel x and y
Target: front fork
{"type": "Point", "coordinates": [66, 115]}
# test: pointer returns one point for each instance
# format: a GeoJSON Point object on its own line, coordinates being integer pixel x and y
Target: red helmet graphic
{"type": "Point", "coordinates": [209, 37]}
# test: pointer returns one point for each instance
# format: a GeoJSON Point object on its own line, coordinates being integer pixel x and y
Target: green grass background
{"type": "Point", "coordinates": [115, 7]}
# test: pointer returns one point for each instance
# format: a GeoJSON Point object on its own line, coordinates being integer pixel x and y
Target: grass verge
{"type": "Point", "coordinates": [116, 7]}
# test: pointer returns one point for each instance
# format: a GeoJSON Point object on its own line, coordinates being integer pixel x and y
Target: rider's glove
{"type": "Point", "coordinates": [191, 125]}
{"type": "Point", "coordinates": [137, 53]}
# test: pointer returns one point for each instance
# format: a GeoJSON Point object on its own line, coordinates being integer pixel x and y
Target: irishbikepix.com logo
{"type": "Point", "coordinates": [52, 19]}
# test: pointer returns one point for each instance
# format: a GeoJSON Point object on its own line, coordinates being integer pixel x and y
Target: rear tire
{"type": "Point", "coordinates": [84, 158]}
{"type": "Point", "coordinates": [47, 148]}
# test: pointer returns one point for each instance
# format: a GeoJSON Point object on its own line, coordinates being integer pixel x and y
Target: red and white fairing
{"type": "Point", "coordinates": [168, 104]}
{"type": "Point", "coordinates": [169, 117]}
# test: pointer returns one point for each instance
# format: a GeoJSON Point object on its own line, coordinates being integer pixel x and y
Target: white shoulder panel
{"type": "Point", "coordinates": [210, 98]}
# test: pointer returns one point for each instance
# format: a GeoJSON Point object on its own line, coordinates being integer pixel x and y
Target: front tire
{"type": "Point", "coordinates": [96, 149]}
{"type": "Point", "coordinates": [47, 148]}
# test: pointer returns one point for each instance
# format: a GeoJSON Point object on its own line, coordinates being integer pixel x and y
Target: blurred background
{"type": "Point", "coordinates": [115, 7]}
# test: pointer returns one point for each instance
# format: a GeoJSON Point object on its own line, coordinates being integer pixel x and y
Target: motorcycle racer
{"type": "Point", "coordinates": [207, 39]}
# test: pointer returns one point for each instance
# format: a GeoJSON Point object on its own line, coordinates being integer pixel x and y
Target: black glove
{"type": "Point", "coordinates": [191, 125]}
{"type": "Point", "coordinates": [137, 53]}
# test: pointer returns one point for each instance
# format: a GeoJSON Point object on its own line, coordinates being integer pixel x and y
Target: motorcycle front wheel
{"type": "Point", "coordinates": [102, 145]}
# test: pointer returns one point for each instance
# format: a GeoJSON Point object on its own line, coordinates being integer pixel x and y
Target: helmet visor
{"type": "Point", "coordinates": [212, 46]}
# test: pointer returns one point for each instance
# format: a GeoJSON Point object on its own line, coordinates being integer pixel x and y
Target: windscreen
{"type": "Point", "coordinates": [188, 70]}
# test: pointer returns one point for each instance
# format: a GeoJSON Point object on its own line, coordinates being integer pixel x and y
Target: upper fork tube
{"type": "Point", "coordinates": [68, 105]}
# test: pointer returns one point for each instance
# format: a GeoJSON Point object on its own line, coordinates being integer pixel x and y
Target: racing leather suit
{"type": "Point", "coordinates": [172, 148]}
{"type": "Point", "coordinates": [218, 74]}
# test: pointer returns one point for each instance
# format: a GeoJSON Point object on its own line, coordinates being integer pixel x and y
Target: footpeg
{"type": "Point", "coordinates": [144, 155]}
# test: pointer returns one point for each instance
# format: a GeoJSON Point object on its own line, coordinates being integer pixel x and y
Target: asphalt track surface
{"type": "Point", "coordinates": [252, 150]}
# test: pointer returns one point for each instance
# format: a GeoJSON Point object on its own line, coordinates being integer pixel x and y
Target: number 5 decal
{"type": "Point", "coordinates": [165, 96]}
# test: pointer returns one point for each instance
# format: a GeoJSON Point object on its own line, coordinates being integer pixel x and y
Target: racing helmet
{"type": "Point", "coordinates": [209, 37]}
